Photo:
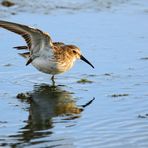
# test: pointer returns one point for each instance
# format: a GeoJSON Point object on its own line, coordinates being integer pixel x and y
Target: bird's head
{"type": "Point", "coordinates": [76, 53]}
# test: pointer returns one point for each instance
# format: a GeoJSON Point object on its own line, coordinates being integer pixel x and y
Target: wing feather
{"type": "Point", "coordinates": [36, 39]}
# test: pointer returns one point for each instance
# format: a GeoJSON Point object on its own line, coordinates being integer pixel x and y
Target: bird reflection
{"type": "Point", "coordinates": [48, 102]}
{"type": "Point", "coordinates": [45, 103]}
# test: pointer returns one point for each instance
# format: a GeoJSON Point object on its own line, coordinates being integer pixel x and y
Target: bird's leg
{"type": "Point", "coordinates": [52, 79]}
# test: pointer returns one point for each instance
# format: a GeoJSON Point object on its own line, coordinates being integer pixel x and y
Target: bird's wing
{"type": "Point", "coordinates": [26, 47]}
{"type": "Point", "coordinates": [36, 39]}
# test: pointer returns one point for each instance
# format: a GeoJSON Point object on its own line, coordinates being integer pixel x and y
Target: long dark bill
{"type": "Point", "coordinates": [82, 58]}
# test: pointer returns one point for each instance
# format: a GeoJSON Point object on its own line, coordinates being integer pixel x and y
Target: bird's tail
{"type": "Point", "coordinates": [25, 55]}
{"type": "Point", "coordinates": [21, 47]}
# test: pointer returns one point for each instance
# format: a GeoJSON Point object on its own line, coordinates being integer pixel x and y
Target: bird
{"type": "Point", "coordinates": [45, 55]}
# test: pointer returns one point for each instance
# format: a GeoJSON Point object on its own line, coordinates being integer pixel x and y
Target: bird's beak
{"type": "Point", "coordinates": [82, 58]}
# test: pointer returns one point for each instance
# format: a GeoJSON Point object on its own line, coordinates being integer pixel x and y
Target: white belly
{"type": "Point", "coordinates": [46, 65]}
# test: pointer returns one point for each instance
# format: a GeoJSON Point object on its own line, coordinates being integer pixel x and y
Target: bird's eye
{"type": "Point", "coordinates": [74, 52]}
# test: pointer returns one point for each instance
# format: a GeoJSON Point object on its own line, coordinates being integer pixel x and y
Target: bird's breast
{"type": "Point", "coordinates": [51, 66]}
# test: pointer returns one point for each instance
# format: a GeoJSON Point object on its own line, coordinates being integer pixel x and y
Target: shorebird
{"type": "Point", "coordinates": [44, 54]}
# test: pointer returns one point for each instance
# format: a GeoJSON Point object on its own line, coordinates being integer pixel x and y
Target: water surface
{"type": "Point", "coordinates": [115, 41]}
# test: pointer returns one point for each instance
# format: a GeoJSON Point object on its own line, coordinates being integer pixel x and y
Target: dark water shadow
{"type": "Point", "coordinates": [45, 103]}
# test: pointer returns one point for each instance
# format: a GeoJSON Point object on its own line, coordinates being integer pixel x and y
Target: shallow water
{"type": "Point", "coordinates": [116, 43]}
{"type": "Point", "coordinates": [57, 6]}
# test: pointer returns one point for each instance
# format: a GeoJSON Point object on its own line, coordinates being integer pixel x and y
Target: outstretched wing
{"type": "Point", "coordinates": [26, 47]}
{"type": "Point", "coordinates": [36, 39]}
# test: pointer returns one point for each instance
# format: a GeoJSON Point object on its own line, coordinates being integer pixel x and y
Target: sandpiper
{"type": "Point", "coordinates": [44, 54]}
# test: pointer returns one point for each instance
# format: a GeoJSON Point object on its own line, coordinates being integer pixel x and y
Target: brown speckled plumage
{"type": "Point", "coordinates": [44, 54]}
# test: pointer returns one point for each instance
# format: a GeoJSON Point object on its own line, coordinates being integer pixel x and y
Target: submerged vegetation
{"type": "Point", "coordinates": [83, 81]}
